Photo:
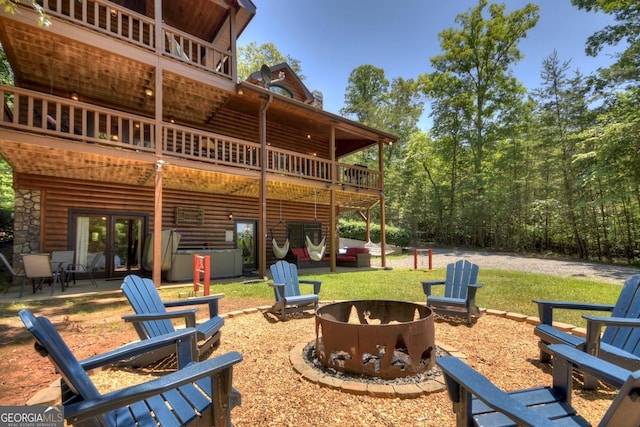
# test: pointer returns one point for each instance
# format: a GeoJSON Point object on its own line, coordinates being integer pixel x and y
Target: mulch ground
{"type": "Point", "coordinates": [273, 394]}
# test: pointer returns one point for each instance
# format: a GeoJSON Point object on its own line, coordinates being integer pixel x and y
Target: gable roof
{"type": "Point", "coordinates": [291, 82]}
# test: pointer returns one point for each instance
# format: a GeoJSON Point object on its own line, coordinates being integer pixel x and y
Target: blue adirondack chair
{"type": "Point", "coordinates": [152, 319]}
{"type": "Point", "coordinates": [199, 393]}
{"type": "Point", "coordinates": [286, 288]}
{"type": "Point", "coordinates": [459, 298]}
{"type": "Point", "coordinates": [620, 342]}
{"type": "Point", "coordinates": [476, 401]}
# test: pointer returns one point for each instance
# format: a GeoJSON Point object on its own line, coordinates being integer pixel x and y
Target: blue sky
{"type": "Point", "coordinates": [330, 38]}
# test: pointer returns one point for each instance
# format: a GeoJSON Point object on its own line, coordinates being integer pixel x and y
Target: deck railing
{"type": "Point", "coordinates": [57, 117]}
{"type": "Point", "coordinates": [289, 163]}
{"type": "Point", "coordinates": [124, 24]}
{"type": "Point", "coordinates": [193, 144]}
{"type": "Point", "coordinates": [196, 52]}
{"type": "Point", "coordinates": [60, 117]}
{"type": "Point", "coordinates": [358, 176]}
{"type": "Point", "coordinates": [107, 18]}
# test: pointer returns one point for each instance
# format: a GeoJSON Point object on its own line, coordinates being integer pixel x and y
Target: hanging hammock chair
{"type": "Point", "coordinates": [280, 251]}
{"type": "Point", "coordinates": [316, 252]}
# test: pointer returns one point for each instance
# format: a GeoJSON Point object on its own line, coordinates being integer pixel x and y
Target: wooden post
{"type": "Point", "coordinates": [157, 227]}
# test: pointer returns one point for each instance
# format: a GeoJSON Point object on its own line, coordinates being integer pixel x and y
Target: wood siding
{"type": "Point", "coordinates": [60, 196]}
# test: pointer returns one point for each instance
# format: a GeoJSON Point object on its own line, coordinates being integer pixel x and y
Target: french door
{"type": "Point", "coordinates": [108, 244]}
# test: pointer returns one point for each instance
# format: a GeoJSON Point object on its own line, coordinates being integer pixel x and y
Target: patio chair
{"type": "Point", "coordinates": [476, 401]}
{"type": "Point", "coordinates": [37, 267]}
{"type": "Point", "coordinates": [620, 342]}
{"type": "Point", "coordinates": [152, 319]}
{"type": "Point", "coordinates": [286, 288]}
{"type": "Point", "coordinates": [460, 286]}
{"type": "Point", "coordinates": [14, 275]}
{"type": "Point", "coordinates": [199, 393]}
{"type": "Point", "coordinates": [76, 267]}
{"type": "Point", "coordinates": [60, 261]}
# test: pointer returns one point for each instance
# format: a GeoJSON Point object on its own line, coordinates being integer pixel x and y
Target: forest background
{"type": "Point", "coordinates": [555, 169]}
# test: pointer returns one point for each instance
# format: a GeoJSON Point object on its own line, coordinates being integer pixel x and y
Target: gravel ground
{"type": "Point", "coordinates": [560, 267]}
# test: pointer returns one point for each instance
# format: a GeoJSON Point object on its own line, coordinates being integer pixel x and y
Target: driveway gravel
{"type": "Point", "coordinates": [554, 266]}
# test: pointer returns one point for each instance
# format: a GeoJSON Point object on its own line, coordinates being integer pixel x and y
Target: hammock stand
{"type": "Point", "coordinates": [280, 251]}
{"type": "Point", "coordinates": [170, 239]}
{"type": "Point", "coordinates": [376, 250]}
{"type": "Point", "coordinates": [316, 252]}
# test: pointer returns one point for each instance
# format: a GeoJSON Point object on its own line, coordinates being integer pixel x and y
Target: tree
{"type": "Point", "coordinates": [6, 73]}
{"type": "Point", "coordinates": [6, 173]}
{"type": "Point", "coordinates": [474, 92]}
{"type": "Point", "coordinates": [393, 107]}
{"type": "Point", "coordinates": [365, 93]}
{"type": "Point", "coordinates": [627, 29]}
{"type": "Point", "coordinates": [11, 6]}
{"type": "Point", "coordinates": [562, 113]}
{"type": "Point", "coordinates": [251, 57]}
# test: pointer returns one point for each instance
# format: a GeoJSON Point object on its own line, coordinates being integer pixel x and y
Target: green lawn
{"type": "Point", "coordinates": [502, 290]}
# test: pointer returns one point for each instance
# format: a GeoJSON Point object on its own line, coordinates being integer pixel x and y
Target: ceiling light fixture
{"type": "Point", "coordinates": [148, 91]}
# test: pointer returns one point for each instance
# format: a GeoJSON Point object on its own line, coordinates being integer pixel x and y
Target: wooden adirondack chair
{"type": "Point", "coordinates": [460, 288]}
{"type": "Point", "coordinates": [620, 343]}
{"type": "Point", "coordinates": [152, 319]}
{"type": "Point", "coordinates": [476, 401]}
{"type": "Point", "coordinates": [198, 393]}
{"type": "Point", "coordinates": [286, 288]}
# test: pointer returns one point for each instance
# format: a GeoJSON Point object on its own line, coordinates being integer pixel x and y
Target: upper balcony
{"type": "Point", "coordinates": [123, 55]}
{"type": "Point", "coordinates": [124, 23]}
{"type": "Point", "coordinates": [80, 140]}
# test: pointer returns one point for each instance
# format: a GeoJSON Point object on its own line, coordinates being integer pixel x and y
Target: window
{"type": "Point", "coordinates": [299, 229]}
{"type": "Point", "coordinates": [281, 90]}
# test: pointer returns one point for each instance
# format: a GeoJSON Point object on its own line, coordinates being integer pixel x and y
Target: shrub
{"type": "Point", "coordinates": [355, 229]}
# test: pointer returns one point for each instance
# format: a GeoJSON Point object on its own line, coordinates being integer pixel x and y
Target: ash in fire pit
{"type": "Point", "coordinates": [386, 339]}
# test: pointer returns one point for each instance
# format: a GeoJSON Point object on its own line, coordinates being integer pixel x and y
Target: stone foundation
{"type": "Point", "coordinates": [26, 223]}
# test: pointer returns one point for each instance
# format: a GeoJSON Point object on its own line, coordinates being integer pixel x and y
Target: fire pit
{"type": "Point", "coordinates": [386, 339]}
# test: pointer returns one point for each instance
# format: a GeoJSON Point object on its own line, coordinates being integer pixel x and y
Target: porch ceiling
{"type": "Point", "coordinates": [138, 169]}
{"type": "Point", "coordinates": [41, 61]}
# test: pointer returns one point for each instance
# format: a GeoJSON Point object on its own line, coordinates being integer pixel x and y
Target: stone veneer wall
{"type": "Point", "coordinates": [26, 233]}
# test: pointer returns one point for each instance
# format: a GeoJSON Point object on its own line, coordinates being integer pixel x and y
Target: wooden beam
{"type": "Point", "coordinates": [383, 230]}
{"type": "Point", "coordinates": [157, 211]}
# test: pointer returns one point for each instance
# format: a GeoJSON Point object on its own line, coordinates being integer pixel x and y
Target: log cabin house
{"type": "Point", "coordinates": [127, 118]}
